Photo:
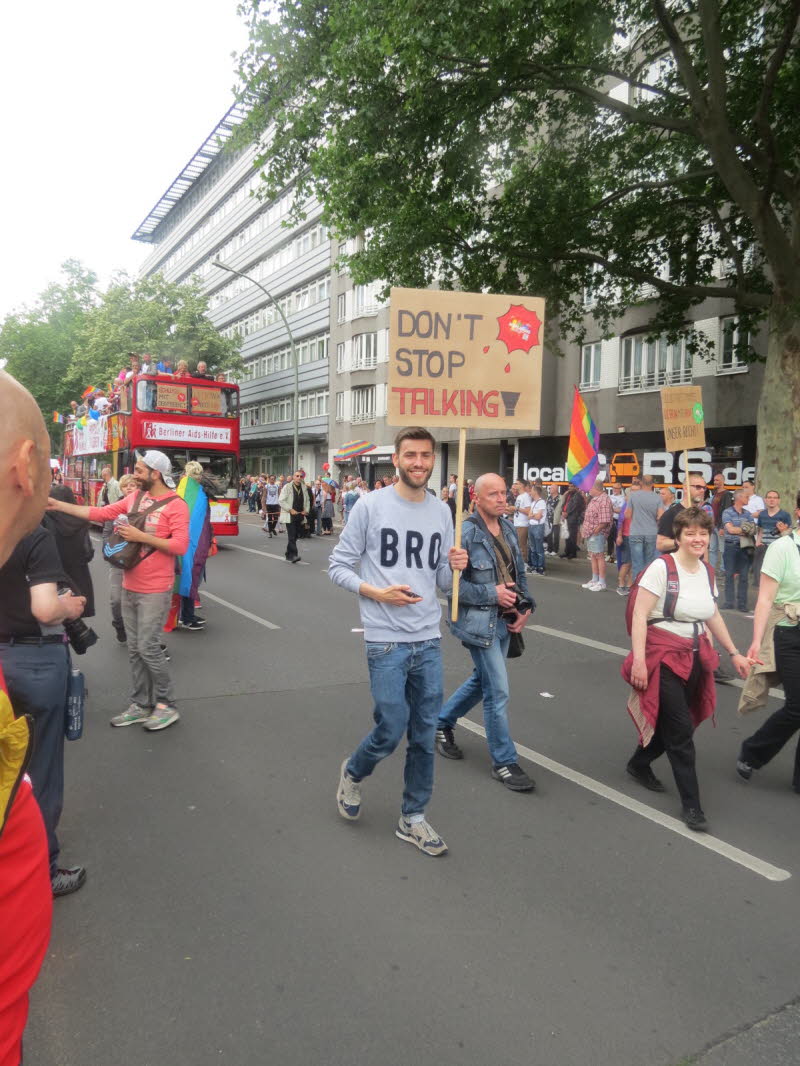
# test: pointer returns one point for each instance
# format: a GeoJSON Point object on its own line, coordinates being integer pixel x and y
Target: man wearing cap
{"type": "Point", "coordinates": [147, 586]}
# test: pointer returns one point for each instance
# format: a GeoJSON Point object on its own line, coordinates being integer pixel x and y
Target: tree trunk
{"type": "Point", "coordinates": [778, 431]}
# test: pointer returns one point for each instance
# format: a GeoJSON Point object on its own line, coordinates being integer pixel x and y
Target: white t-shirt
{"type": "Point", "coordinates": [754, 504]}
{"type": "Point", "coordinates": [451, 489]}
{"type": "Point", "coordinates": [523, 500]}
{"type": "Point", "coordinates": [695, 602]}
{"type": "Point", "coordinates": [539, 513]}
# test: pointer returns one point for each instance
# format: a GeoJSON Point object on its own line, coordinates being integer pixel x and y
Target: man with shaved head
{"type": "Point", "coordinates": [25, 891]}
{"type": "Point", "coordinates": [493, 603]}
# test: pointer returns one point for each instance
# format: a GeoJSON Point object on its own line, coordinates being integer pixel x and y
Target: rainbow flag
{"type": "Point", "coordinates": [88, 392]}
{"type": "Point", "coordinates": [583, 467]}
{"type": "Point", "coordinates": [57, 418]}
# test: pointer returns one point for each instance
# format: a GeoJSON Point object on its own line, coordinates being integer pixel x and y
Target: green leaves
{"type": "Point", "coordinates": [537, 146]}
{"type": "Point", "coordinates": [76, 335]}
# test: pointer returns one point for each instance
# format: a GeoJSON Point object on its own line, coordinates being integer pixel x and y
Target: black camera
{"type": "Point", "coordinates": [80, 636]}
{"type": "Point", "coordinates": [520, 606]}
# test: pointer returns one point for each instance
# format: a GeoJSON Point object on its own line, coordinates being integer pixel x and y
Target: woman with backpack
{"type": "Point", "coordinates": [670, 669]}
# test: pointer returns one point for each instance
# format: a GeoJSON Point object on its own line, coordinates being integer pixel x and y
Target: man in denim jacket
{"type": "Point", "coordinates": [487, 597]}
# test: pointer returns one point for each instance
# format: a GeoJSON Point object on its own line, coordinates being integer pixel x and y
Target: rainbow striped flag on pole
{"type": "Point", "coordinates": [57, 418]}
{"type": "Point", "coordinates": [583, 467]}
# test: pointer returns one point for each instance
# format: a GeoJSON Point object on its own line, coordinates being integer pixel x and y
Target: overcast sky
{"type": "Point", "coordinates": [103, 103]}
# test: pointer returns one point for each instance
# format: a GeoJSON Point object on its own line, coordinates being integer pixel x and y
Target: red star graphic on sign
{"type": "Point", "coordinates": [519, 328]}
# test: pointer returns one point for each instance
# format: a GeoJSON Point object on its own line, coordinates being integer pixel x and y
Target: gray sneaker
{"type": "Point", "coordinates": [348, 795]}
{"type": "Point", "coordinates": [423, 835]}
{"type": "Point", "coordinates": [135, 715]}
{"type": "Point", "coordinates": [161, 718]}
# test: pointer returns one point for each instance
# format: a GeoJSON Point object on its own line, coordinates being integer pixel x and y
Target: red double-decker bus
{"type": "Point", "coordinates": [190, 418]}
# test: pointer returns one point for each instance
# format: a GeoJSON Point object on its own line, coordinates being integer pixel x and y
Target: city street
{"type": "Point", "coordinates": [231, 916]}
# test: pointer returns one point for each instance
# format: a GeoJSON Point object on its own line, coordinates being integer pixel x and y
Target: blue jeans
{"type": "Point", "coordinates": [38, 676]}
{"type": "Point", "coordinates": [713, 549]}
{"type": "Point", "coordinates": [643, 551]}
{"type": "Point", "coordinates": [406, 684]}
{"type": "Point", "coordinates": [536, 546]}
{"type": "Point", "coordinates": [736, 561]}
{"type": "Point", "coordinates": [487, 682]}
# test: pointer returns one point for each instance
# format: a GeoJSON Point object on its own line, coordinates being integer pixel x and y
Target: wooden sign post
{"type": "Point", "coordinates": [465, 360]}
{"type": "Point", "coordinates": [684, 422]}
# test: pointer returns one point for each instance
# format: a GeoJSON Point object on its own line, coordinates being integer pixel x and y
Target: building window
{"type": "Point", "coordinates": [365, 299]}
{"type": "Point", "coordinates": [362, 407]}
{"type": "Point", "coordinates": [365, 351]}
{"type": "Point", "coordinates": [590, 366]}
{"type": "Point", "coordinates": [313, 404]}
{"type": "Point", "coordinates": [340, 406]}
{"type": "Point", "coordinates": [341, 362]}
{"type": "Point", "coordinates": [278, 410]}
{"type": "Point", "coordinates": [731, 357]}
{"type": "Point", "coordinates": [341, 307]}
{"type": "Point", "coordinates": [649, 364]}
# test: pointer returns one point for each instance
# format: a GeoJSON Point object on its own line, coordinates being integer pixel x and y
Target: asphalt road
{"type": "Point", "coordinates": [231, 916]}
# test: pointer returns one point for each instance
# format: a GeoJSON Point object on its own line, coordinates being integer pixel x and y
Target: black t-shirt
{"type": "Point", "coordinates": [668, 517]}
{"type": "Point", "coordinates": [34, 561]}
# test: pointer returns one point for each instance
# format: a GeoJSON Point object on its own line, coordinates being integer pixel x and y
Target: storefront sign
{"type": "Point", "coordinates": [465, 359]}
{"type": "Point", "coordinates": [682, 411]}
{"type": "Point", "coordinates": [180, 431]}
{"type": "Point", "coordinates": [171, 397]}
{"type": "Point", "coordinates": [664, 467]}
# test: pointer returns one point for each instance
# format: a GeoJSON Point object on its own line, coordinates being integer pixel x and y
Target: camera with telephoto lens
{"type": "Point", "coordinates": [521, 604]}
{"type": "Point", "coordinates": [80, 636]}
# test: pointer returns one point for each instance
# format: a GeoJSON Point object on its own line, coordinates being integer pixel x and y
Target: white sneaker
{"type": "Point", "coordinates": [423, 835]}
{"type": "Point", "coordinates": [348, 795]}
{"type": "Point", "coordinates": [599, 587]}
{"type": "Point", "coordinates": [589, 584]}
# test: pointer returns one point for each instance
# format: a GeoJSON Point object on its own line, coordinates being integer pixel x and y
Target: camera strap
{"type": "Point", "coordinates": [505, 565]}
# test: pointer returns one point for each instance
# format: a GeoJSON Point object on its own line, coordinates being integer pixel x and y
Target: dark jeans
{"type": "Point", "coordinates": [38, 676]}
{"type": "Point", "coordinates": [571, 547]}
{"type": "Point", "coordinates": [554, 538]}
{"type": "Point", "coordinates": [187, 609]}
{"type": "Point", "coordinates": [273, 514]}
{"type": "Point", "coordinates": [758, 561]}
{"type": "Point", "coordinates": [673, 735]}
{"type": "Point", "coordinates": [293, 530]}
{"type": "Point", "coordinates": [781, 726]}
{"type": "Point", "coordinates": [736, 560]}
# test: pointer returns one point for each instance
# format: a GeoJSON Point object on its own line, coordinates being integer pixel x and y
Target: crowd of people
{"type": "Point", "coordinates": [396, 554]}
{"type": "Point", "coordinates": [397, 550]}
{"type": "Point", "coordinates": [95, 402]}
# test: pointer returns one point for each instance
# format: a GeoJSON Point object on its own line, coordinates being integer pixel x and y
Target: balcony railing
{"type": "Point", "coordinates": [654, 380]}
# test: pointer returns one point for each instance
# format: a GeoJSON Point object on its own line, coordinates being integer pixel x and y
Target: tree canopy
{"type": "Point", "coordinates": [76, 335]}
{"type": "Point", "coordinates": [546, 145]}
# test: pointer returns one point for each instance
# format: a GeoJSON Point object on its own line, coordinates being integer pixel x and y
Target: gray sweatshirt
{"type": "Point", "coordinates": [395, 542]}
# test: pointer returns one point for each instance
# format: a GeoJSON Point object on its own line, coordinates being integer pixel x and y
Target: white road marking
{"type": "Point", "coordinates": [205, 594]}
{"type": "Point", "coordinates": [575, 638]}
{"type": "Point", "coordinates": [705, 840]}
{"type": "Point", "coordinates": [268, 555]}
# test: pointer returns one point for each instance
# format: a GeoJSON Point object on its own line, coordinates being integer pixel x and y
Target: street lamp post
{"type": "Point", "coordinates": [296, 397]}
